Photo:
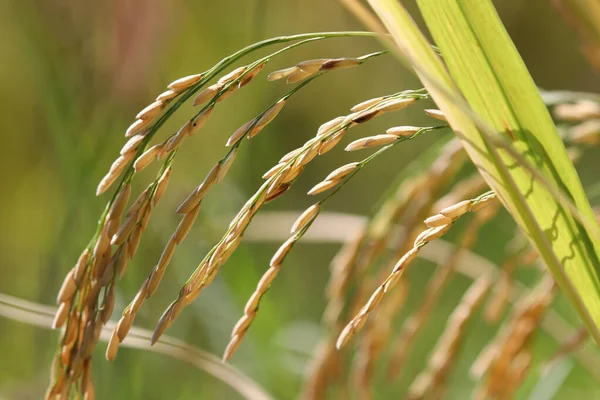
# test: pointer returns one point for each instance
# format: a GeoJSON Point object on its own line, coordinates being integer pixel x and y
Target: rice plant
{"type": "Point", "coordinates": [498, 152]}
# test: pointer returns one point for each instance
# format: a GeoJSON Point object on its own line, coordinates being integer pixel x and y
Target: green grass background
{"type": "Point", "coordinates": [72, 76]}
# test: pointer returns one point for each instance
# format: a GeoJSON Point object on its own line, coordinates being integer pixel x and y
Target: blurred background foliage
{"type": "Point", "coordinates": [73, 74]}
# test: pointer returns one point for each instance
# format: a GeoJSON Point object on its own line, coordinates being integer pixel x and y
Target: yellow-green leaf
{"type": "Point", "coordinates": [503, 105]}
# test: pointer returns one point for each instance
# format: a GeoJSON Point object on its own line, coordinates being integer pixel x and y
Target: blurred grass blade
{"type": "Point", "coordinates": [584, 17]}
{"type": "Point", "coordinates": [503, 103]}
{"type": "Point", "coordinates": [550, 383]}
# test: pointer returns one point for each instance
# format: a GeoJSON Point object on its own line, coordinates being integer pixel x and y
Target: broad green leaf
{"type": "Point", "coordinates": [489, 97]}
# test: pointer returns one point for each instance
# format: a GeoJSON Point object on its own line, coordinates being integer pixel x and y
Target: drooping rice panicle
{"type": "Point", "coordinates": [64, 375]}
{"type": "Point", "coordinates": [336, 179]}
{"type": "Point", "coordinates": [431, 383]}
{"type": "Point", "coordinates": [274, 187]}
{"type": "Point", "coordinates": [413, 325]}
{"type": "Point", "coordinates": [418, 205]}
{"type": "Point", "coordinates": [190, 207]}
{"type": "Point", "coordinates": [453, 212]}
{"type": "Point", "coordinates": [349, 264]}
{"type": "Point", "coordinates": [308, 68]}
{"type": "Point", "coordinates": [500, 365]}
{"type": "Point", "coordinates": [88, 316]}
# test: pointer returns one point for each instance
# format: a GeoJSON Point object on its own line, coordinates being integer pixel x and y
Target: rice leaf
{"type": "Point", "coordinates": [501, 103]}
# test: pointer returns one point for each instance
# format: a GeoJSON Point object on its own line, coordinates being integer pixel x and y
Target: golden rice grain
{"type": "Point", "coordinates": [134, 241]}
{"type": "Point", "coordinates": [252, 74]}
{"type": "Point", "coordinates": [339, 63]}
{"type": "Point", "coordinates": [437, 220]}
{"type": "Point", "coordinates": [161, 186]}
{"type": "Point", "coordinates": [403, 130]}
{"type": "Point", "coordinates": [287, 157]}
{"type": "Point", "coordinates": [81, 265]}
{"type": "Point", "coordinates": [292, 173]}
{"type": "Point", "coordinates": [269, 115]}
{"type": "Point", "coordinates": [124, 230]}
{"type": "Point", "coordinates": [456, 210]}
{"type": "Point", "coordinates": [67, 289]}
{"type": "Point", "coordinates": [239, 133]}
{"type": "Point", "coordinates": [322, 187]}
{"type": "Point", "coordinates": [299, 75]}
{"type": "Point", "coordinates": [147, 157]}
{"type": "Point", "coordinates": [342, 171]}
{"type": "Point", "coordinates": [226, 165]}
{"type": "Point", "coordinates": [61, 315]}
{"type": "Point", "coordinates": [115, 170]}
{"type": "Point", "coordinates": [307, 216]}
{"type": "Point", "coordinates": [175, 141]}
{"type": "Point", "coordinates": [231, 348]}
{"type": "Point", "coordinates": [137, 204]}
{"type": "Point", "coordinates": [136, 127]}
{"type": "Point", "coordinates": [233, 75]}
{"type": "Point", "coordinates": [363, 116]}
{"type": "Point", "coordinates": [281, 252]}
{"type": "Point", "coordinates": [118, 206]}
{"type": "Point", "coordinates": [283, 73]}
{"type": "Point", "coordinates": [312, 66]}
{"type": "Point", "coordinates": [331, 141]}
{"type": "Point", "coordinates": [395, 104]}
{"type": "Point", "coordinates": [121, 262]}
{"type": "Point", "coordinates": [207, 94]}
{"type": "Point", "coordinates": [167, 95]}
{"type": "Point", "coordinates": [274, 170]}
{"type": "Point", "coordinates": [185, 82]}
{"type": "Point", "coordinates": [371, 141]}
{"type": "Point", "coordinates": [113, 347]}
{"type": "Point", "coordinates": [330, 126]}
{"type": "Point", "coordinates": [367, 104]}
{"type": "Point", "coordinates": [132, 144]}
{"type": "Point", "coordinates": [308, 155]}
{"type": "Point", "coordinates": [281, 189]}
{"type": "Point", "coordinates": [197, 194]}
{"type": "Point", "coordinates": [226, 93]}
{"type": "Point", "coordinates": [199, 121]}
{"type": "Point", "coordinates": [151, 111]}
{"type": "Point", "coordinates": [437, 114]}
